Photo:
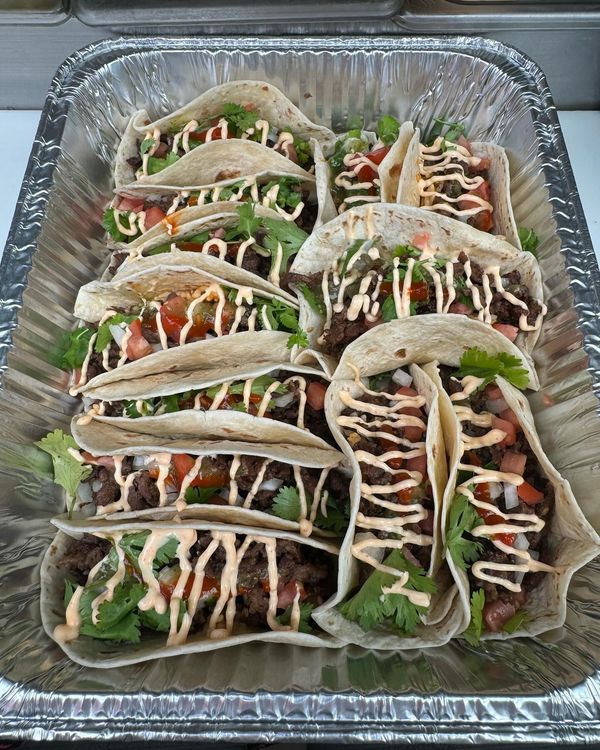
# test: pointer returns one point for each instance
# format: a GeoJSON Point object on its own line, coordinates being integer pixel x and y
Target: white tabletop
{"type": "Point", "coordinates": [17, 131]}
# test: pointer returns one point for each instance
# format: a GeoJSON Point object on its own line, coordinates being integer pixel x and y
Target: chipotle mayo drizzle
{"type": "Point", "coordinates": [350, 181]}
{"type": "Point", "coordinates": [513, 523]}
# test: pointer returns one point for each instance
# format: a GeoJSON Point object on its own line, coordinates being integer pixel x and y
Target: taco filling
{"type": "Point", "coordinates": [157, 149]}
{"type": "Point", "coordinates": [370, 285]}
{"type": "Point", "coordinates": [131, 216]}
{"type": "Point", "coordinates": [502, 506]}
{"type": "Point", "coordinates": [212, 310]}
{"type": "Point", "coordinates": [297, 399]}
{"type": "Point", "coordinates": [122, 586]}
{"type": "Point", "coordinates": [355, 164]}
{"type": "Point", "coordinates": [385, 424]}
{"type": "Point", "coordinates": [451, 180]}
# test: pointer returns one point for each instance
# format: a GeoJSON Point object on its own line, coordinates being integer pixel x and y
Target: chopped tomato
{"type": "Point", "coordinates": [207, 476]}
{"type": "Point", "coordinates": [462, 141]}
{"type": "Point", "coordinates": [386, 288]}
{"type": "Point", "coordinates": [404, 390]}
{"type": "Point", "coordinates": [210, 586]}
{"type": "Point", "coordinates": [405, 495]}
{"type": "Point", "coordinates": [419, 463]}
{"type": "Point", "coordinates": [191, 247]}
{"type": "Point", "coordinates": [506, 427]}
{"type": "Point", "coordinates": [365, 173]}
{"type": "Point", "coordinates": [511, 332]}
{"type": "Point", "coordinates": [153, 216]}
{"type": "Point", "coordinates": [421, 240]}
{"type": "Point", "coordinates": [459, 308]}
{"type": "Point", "coordinates": [513, 463]}
{"type": "Point", "coordinates": [529, 494]}
{"type": "Point", "coordinates": [419, 291]}
{"type": "Point", "coordinates": [287, 594]}
{"type": "Point", "coordinates": [510, 416]}
{"type": "Point", "coordinates": [315, 395]}
{"type": "Point", "coordinates": [128, 203]}
{"type": "Point", "coordinates": [493, 392]}
{"type": "Point", "coordinates": [173, 315]}
{"type": "Point", "coordinates": [137, 346]}
{"type": "Point", "coordinates": [482, 493]}
{"type": "Point", "coordinates": [491, 519]}
{"type": "Point", "coordinates": [387, 445]}
{"type": "Point", "coordinates": [483, 221]}
{"type": "Point", "coordinates": [379, 154]}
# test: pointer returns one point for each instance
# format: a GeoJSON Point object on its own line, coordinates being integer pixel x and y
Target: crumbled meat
{"type": "Point", "coordinates": [82, 555]}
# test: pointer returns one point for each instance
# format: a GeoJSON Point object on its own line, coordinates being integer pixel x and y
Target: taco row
{"type": "Point", "coordinates": [301, 426]}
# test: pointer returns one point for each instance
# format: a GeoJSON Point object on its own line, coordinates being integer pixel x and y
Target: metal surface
{"type": "Point", "coordinates": [33, 11]}
{"type": "Point", "coordinates": [531, 690]}
{"type": "Point", "coordinates": [180, 14]}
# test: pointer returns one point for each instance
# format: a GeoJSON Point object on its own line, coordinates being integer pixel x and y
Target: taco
{"type": "Point", "coordinates": [165, 304]}
{"type": "Point", "coordinates": [365, 166]}
{"type": "Point", "coordinates": [449, 176]}
{"type": "Point", "coordinates": [250, 111]}
{"type": "Point", "coordinates": [213, 475]}
{"type": "Point", "coordinates": [250, 237]}
{"type": "Point", "coordinates": [378, 263]}
{"type": "Point", "coordinates": [389, 425]}
{"type": "Point", "coordinates": [132, 592]}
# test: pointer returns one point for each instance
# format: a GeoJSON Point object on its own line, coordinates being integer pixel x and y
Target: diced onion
{"type": "Point", "coordinates": [284, 400]}
{"type": "Point", "coordinates": [96, 485]}
{"type": "Point", "coordinates": [156, 347]}
{"type": "Point", "coordinates": [519, 575]}
{"type": "Point", "coordinates": [495, 490]}
{"type": "Point", "coordinates": [87, 402]}
{"type": "Point", "coordinates": [117, 333]}
{"type": "Point", "coordinates": [172, 495]}
{"type": "Point", "coordinates": [139, 462]}
{"type": "Point", "coordinates": [521, 542]}
{"type": "Point", "coordinates": [511, 497]}
{"type": "Point", "coordinates": [496, 405]}
{"type": "Point", "coordinates": [534, 554]}
{"type": "Point", "coordinates": [84, 492]}
{"type": "Point", "coordinates": [270, 484]}
{"type": "Point", "coordinates": [400, 377]}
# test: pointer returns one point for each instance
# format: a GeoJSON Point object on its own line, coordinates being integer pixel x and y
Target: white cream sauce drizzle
{"type": "Point", "coordinates": [349, 180]}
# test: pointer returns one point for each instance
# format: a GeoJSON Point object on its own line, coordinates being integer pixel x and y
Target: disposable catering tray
{"type": "Point", "coordinates": [526, 690]}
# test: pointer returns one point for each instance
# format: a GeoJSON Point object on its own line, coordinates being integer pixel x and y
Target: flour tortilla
{"type": "Point", "coordinates": [573, 542]}
{"type": "Point", "coordinates": [499, 177]}
{"type": "Point", "coordinates": [398, 225]}
{"type": "Point", "coordinates": [443, 619]}
{"type": "Point", "coordinates": [91, 652]}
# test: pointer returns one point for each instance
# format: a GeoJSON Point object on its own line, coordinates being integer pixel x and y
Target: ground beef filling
{"type": "Point", "coordinates": [314, 571]}
{"type": "Point", "coordinates": [144, 494]}
{"type": "Point", "coordinates": [506, 603]}
{"type": "Point", "coordinates": [373, 475]}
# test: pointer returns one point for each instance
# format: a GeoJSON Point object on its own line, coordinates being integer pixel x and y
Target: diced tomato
{"type": "Point", "coordinates": [137, 345]}
{"type": "Point", "coordinates": [379, 154]}
{"type": "Point", "coordinates": [365, 173]}
{"type": "Point", "coordinates": [173, 315]}
{"type": "Point", "coordinates": [207, 476]}
{"type": "Point", "coordinates": [426, 525]}
{"type": "Point", "coordinates": [493, 392]}
{"type": "Point", "coordinates": [459, 308]}
{"type": "Point", "coordinates": [182, 463]}
{"type": "Point", "coordinates": [483, 221]}
{"type": "Point", "coordinates": [462, 141]}
{"type": "Point", "coordinates": [513, 463]}
{"type": "Point", "coordinates": [387, 445]}
{"type": "Point", "coordinates": [287, 594]}
{"type": "Point", "coordinates": [497, 613]}
{"type": "Point", "coordinates": [507, 427]}
{"type": "Point", "coordinates": [419, 291]}
{"type": "Point", "coordinates": [128, 203]}
{"type": "Point", "coordinates": [191, 247]}
{"type": "Point", "coordinates": [153, 216]}
{"type": "Point", "coordinates": [404, 390]}
{"type": "Point", "coordinates": [511, 332]}
{"type": "Point", "coordinates": [421, 240]}
{"type": "Point", "coordinates": [210, 586]}
{"type": "Point", "coordinates": [529, 494]}
{"type": "Point", "coordinates": [386, 288]}
{"type": "Point", "coordinates": [419, 463]}
{"type": "Point", "coordinates": [405, 495]}
{"type": "Point", "coordinates": [510, 416]}
{"type": "Point", "coordinates": [315, 395]}
{"type": "Point", "coordinates": [482, 492]}
{"type": "Point", "coordinates": [491, 519]}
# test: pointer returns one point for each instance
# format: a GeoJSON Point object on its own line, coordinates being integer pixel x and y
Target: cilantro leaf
{"type": "Point", "coordinates": [77, 348]}
{"type": "Point", "coordinates": [473, 633]}
{"type": "Point", "coordinates": [133, 544]}
{"type": "Point", "coordinates": [259, 387]}
{"type": "Point", "coordinates": [516, 622]}
{"type": "Point", "coordinates": [314, 298]}
{"type": "Point", "coordinates": [109, 224]}
{"type": "Point", "coordinates": [104, 336]}
{"type": "Point", "coordinates": [286, 503]}
{"type": "Point", "coordinates": [351, 143]}
{"type": "Point", "coordinates": [463, 519]}
{"type": "Point", "coordinates": [451, 131]}
{"type": "Point", "coordinates": [278, 313]}
{"type": "Point", "coordinates": [248, 223]}
{"type": "Point", "coordinates": [349, 254]}
{"type": "Point", "coordinates": [336, 520]}
{"type": "Point", "coordinates": [284, 233]}
{"type": "Point", "coordinates": [404, 252]}
{"type": "Point", "coordinates": [489, 366]}
{"type": "Point", "coordinates": [68, 472]}
{"type": "Point", "coordinates": [124, 600]}
{"type": "Point", "coordinates": [172, 402]}
{"type": "Point", "coordinates": [162, 623]}
{"type": "Point", "coordinates": [380, 382]}
{"type": "Point", "coordinates": [146, 145]}
{"type": "Point", "coordinates": [388, 129]}
{"type": "Point", "coordinates": [304, 625]}
{"type": "Point", "coordinates": [303, 152]}
{"type": "Point", "coordinates": [388, 309]}
{"type": "Point", "coordinates": [157, 165]}
{"type": "Point", "coordinates": [199, 495]}
{"type": "Point", "coordinates": [298, 338]}
{"type": "Point", "coordinates": [240, 118]}
{"type": "Point", "coordinates": [529, 240]}
{"type": "Point", "coordinates": [289, 194]}
{"type": "Point", "coordinates": [131, 410]}
{"type": "Point", "coordinates": [369, 607]}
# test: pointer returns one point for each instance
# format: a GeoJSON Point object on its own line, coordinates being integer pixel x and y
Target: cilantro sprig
{"type": "Point", "coordinates": [282, 316]}
{"type": "Point", "coordinates": [109, 224]}
{"type": "Point", "coordinates": [387, 129]}
{"type": "Point", "coordinates": [463, 519]}
{"type": "Point", "coordinates": [304, 625]}
{"type": "Point", "coordinates": [369, 607]}
{"type": "Point", "coordinates": [529, 240]}
{"type": "Point", "coordinates": [76, 348]}
{"type": "Point", "coordinates": [286, 505]}
{"type": "Point", "coordinates": [451, 131]}
{"type": "Point", "coordinates": [473, 633]}
{"type": "Point", "coordinates": [105, 336]}
{"type": "Point", "coordinates": [489, 366]}
{"type": "Point", "coordinates": [516, 622]}
{"type": "Point", "coordinates": [68, 471]}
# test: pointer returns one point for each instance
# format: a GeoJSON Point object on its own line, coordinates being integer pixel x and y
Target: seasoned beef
{"type": "Point", "coordinates": [135, 162]}
{"type": "Point", "coordinates": [95, 366]}
{"type": "Point", "coordinates": [116, 261]}
{"type": "Point", "coordinates": [342, 332]}
{"type": "Point", "coordinates": [143, 492]}
{"type": "Point", "coordinates": [82, 555]}
{"type": "Point", "coordinates": [110, 491]}
{"type": "Point", "coordinates": [164, 202]}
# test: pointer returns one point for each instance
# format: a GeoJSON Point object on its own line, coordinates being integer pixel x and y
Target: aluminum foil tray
{"type": "Point", "coordinates": [527, 690]}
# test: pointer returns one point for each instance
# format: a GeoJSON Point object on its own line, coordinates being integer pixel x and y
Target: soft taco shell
{"type": "Point", "coordinates": [106, 654]}
{"type": "Point", "coordinates": [398, 225]}
{"type": "Point", "coordinates": [499, 176]}
{"type": "Point", "coordinates": [572, 540]}
{"type": "Point", "coordinates": [443, 619]}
